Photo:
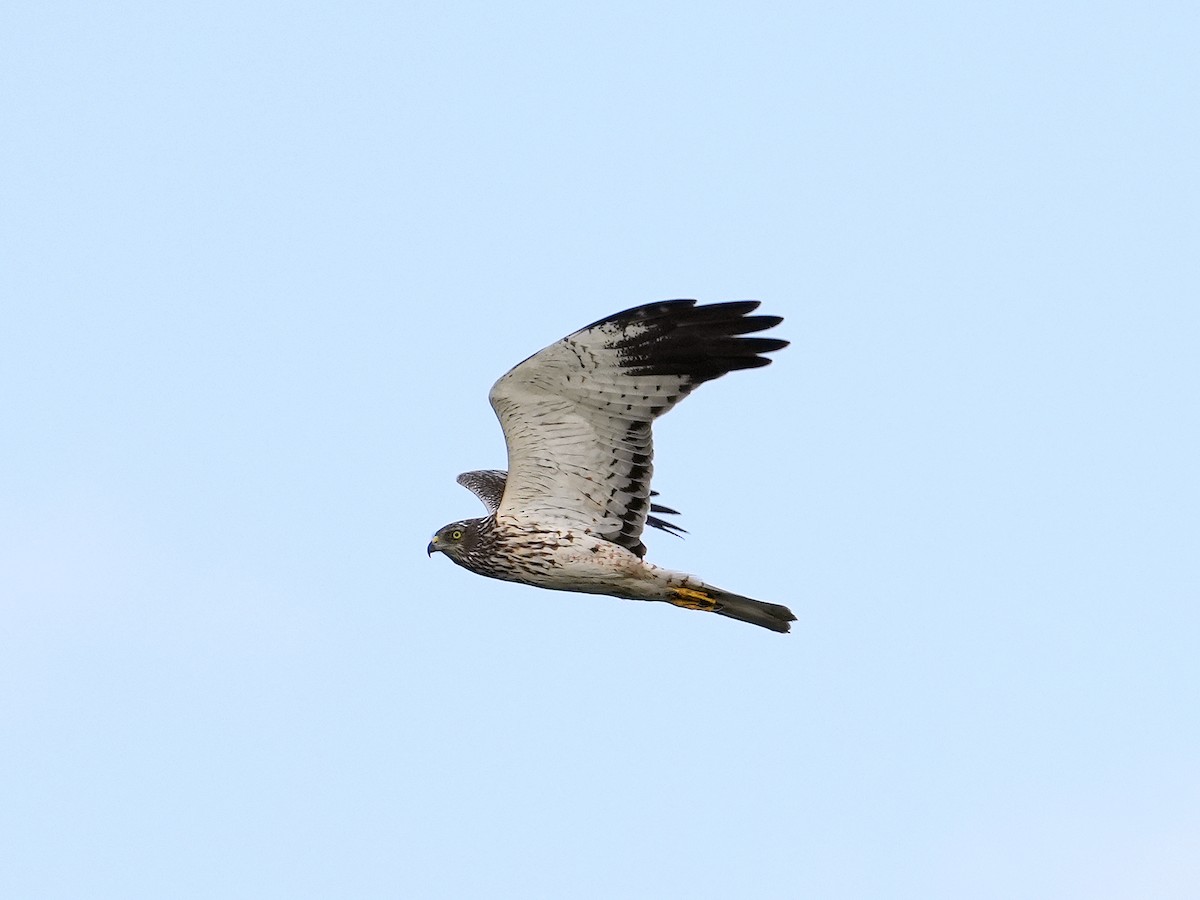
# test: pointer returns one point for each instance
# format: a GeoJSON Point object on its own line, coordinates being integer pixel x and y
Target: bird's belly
{"type": "Point", "coordinates": [591, 565]}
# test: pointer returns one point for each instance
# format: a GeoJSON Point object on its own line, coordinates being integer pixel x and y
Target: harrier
{"type": "Point", "coordinates": [569, 513]}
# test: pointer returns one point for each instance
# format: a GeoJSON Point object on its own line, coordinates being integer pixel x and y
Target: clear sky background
{"type": "Point", "coordinates": [260, 264]}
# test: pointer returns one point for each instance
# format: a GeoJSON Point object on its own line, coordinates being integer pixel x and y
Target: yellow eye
{"type": "Point", "coordinates": [456, 535]}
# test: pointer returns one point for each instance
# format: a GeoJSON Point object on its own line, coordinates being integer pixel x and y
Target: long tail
{"type": "Point", "coordinates": [735, 606]}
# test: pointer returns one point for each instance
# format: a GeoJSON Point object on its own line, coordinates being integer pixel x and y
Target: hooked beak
{"type": "Point", "coordinates": [433, 547]}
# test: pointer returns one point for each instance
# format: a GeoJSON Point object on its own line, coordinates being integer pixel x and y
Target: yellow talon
{"type": "Point", "coordinates": [689, 599]}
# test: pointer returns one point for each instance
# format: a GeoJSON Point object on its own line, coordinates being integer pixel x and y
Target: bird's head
{"type": "Point", "coordinates": [456, 540]}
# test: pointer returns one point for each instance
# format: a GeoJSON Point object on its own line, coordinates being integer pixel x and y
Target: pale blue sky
{"type": "Point", "coordinates": [260, 264]}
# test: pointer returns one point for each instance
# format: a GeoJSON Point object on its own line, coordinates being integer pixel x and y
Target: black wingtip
{"type": "Point", "coordinates": [645, 311]}
{"type": "Point", "coordinates": [679, 337]}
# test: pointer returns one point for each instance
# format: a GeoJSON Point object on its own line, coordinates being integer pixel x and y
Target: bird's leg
{"type": "Point", "coordinates": [691, 599]}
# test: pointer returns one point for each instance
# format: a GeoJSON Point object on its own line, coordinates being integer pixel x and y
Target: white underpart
{"type": "Point", "coordinates": [591, 565]}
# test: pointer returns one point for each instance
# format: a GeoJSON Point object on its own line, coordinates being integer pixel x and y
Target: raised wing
{"type": "Point", "coordinates": [577, 415]}
{"type": "Point", "coordinates": [488, 486]}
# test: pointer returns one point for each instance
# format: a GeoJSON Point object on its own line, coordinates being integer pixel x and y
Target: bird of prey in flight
{"type": "Point", "coordinates": [568, 514]}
